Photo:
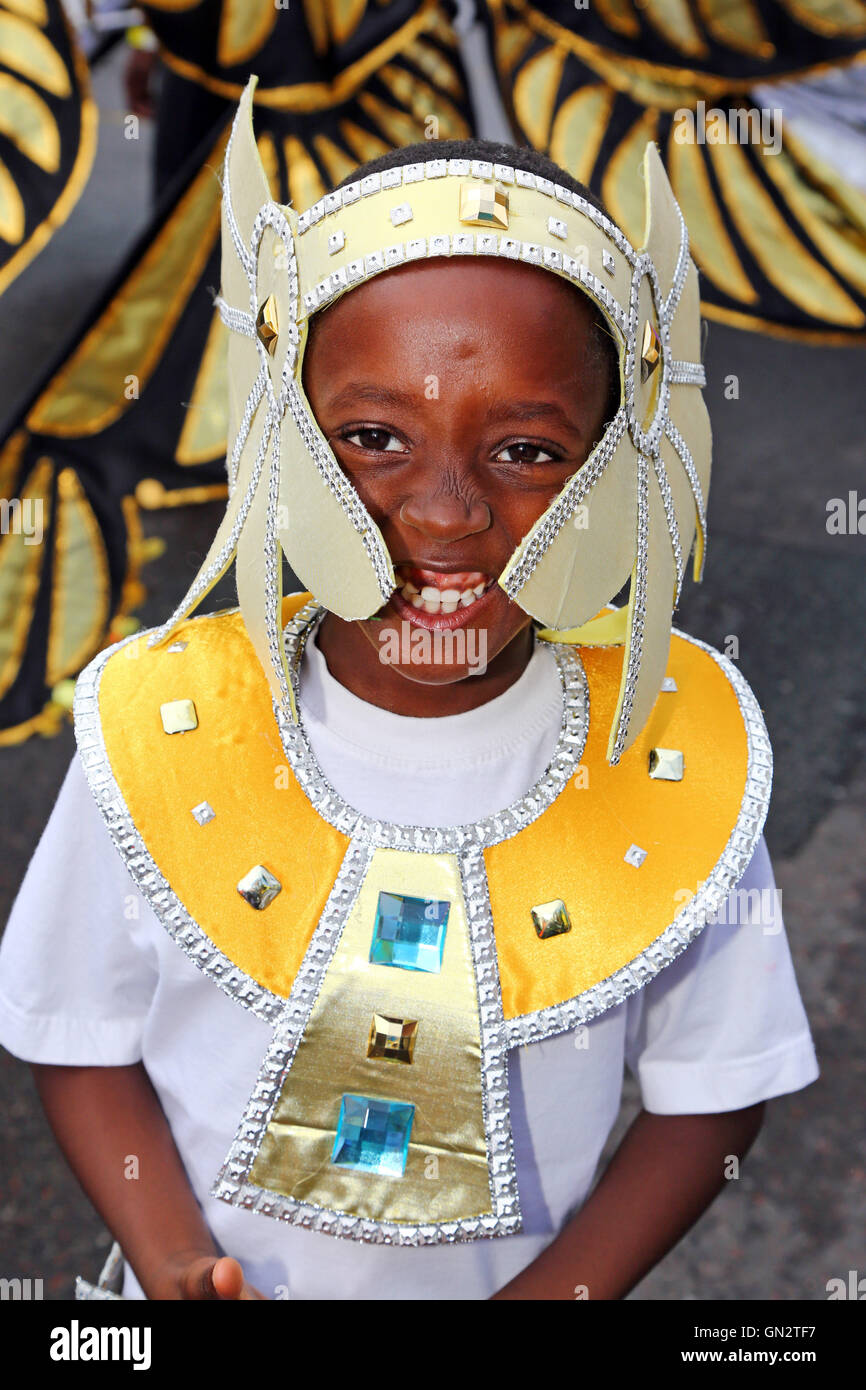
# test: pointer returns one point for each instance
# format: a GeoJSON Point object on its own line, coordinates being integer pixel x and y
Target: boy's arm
{"type": "Point", "coordinates": [664, 1174]}
{"type": "Point", "coordinates": [103, 1119]}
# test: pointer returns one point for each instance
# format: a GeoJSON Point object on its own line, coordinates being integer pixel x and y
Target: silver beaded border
{"type": "Point", "coordinates": [690, 922]}
{"type": "Point", "coordinates": [155, 889]}
{"type": "Point", "coordinates": [637, 606]}
{"type": "Point", "coordinates": [233, 1184]}
{"type": "Point", "coordinates": [433, 839]}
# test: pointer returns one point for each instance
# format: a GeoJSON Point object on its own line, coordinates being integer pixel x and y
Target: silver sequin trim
{"type": "Point", "coordinates": [690, 922]}
{"type": "Point", "coordinates": [434, 839]}
{"type": "Point", "coordinates": [155, 889]}
{"type": "Point", "coordinates": [688, 373]}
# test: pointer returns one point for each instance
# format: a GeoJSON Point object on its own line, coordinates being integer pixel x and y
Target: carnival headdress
{"type": "Point", "coordinates": [644, 485]}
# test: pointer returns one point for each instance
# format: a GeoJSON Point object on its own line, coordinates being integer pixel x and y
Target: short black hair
{"type": "Point", "coordinates": [604, 351]}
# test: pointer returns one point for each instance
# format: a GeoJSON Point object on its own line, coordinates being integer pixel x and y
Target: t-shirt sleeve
{"type": "Point", "coordinates": [723, 1026]}
{"type": "Point", "coordinates": [75, 982]}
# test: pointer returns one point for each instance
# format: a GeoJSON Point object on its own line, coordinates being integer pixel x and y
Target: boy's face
{"type": "Point", "coordinates": [458, 396]}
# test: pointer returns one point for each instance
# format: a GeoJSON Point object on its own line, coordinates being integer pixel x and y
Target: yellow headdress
{"type": "Point", "coordinates": [644, 485]}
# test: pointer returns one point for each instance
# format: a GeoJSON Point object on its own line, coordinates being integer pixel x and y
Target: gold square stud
{"type": "Point", "coordinates": [267, 324]}
{"type": "Point", "coordinates": [483, 205]}
{"type": "Point", "coordinates": [178, 716]}
{"type": "Point", "coordinates": [392, 1039]}
{"type": "Point", "coordinates": [666, 764]}
{"type": "Point", "coordinates": [551, 919]}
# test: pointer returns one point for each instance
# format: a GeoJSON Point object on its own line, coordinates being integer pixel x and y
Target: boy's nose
{"type": "Point", "coordinates": [446, 515]}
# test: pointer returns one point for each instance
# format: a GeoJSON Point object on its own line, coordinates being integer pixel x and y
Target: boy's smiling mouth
{"type": "Point", "coordinates": [439, 598]}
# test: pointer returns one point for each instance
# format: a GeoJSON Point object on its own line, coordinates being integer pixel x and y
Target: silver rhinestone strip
{"type": "Point", "coordinates": [682, 449]}
{"type": "Point", "coordinates": [565, 505]}
{"type": "Point", "coordinates": [155, 889]}
{"type": "Point", "coordinates": [682, 267]}
{"type": "Point", "coordinates": [253, 400]}
{"type": "Point", "coordinates": [638, 608]}
{"type": "Point", "coordinates": [243, 254]}
{"type": "Point", "coordinates": [494, 1049]}
{"type": "Point", "coordinates": [203, 583]}
{"type": "Point", "coordinates": [690, 922]}
{"type": "Point", "coordinates": [504, 173]}
{"type": "Point", "coordinates": [273, 572]}
{"type": "Point", "coordinates": [671, 515]}
{"type": "Point", "coordinates": [238, 320]}
{"type": "Point", "coordinates": [688, 373]}
{"type": "Point", "coordinates": [465, 244]}
{"type": "Point", "coordinates": [336, 481]}
{"type": "Point", "coordinates": [434, 839]}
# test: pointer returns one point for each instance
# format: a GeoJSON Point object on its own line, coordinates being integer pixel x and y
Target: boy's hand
{"type": "Point", "coordinates": [206, 1278]}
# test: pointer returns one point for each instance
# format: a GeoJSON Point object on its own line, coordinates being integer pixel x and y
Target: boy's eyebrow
{"type": "Point", "coordinates": [522, 410]}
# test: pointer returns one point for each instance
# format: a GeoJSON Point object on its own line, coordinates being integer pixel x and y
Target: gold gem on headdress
{"type": "Point", "coordinates": [267, 324]}
{"type": "Point", "coordinates": [483, 205]}
{"type": "Point", "coordinates": [650, 352]}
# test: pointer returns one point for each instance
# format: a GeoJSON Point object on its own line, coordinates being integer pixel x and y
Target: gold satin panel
{"type": "Point", "coordinates": [235, 761]}
{"type": "Point", "coordinates": [574, 851]}
{"type": "Point", "coordinates": [442, 1082]}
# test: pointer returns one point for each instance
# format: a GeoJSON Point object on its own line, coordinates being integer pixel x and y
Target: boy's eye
{"type": "Point", "coordinates": [525, 452]}
{"type": "Point", "coordinates": [379, 440]}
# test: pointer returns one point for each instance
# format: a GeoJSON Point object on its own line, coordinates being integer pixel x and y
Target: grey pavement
{"type": "Point", "coordinates": [793, 596]}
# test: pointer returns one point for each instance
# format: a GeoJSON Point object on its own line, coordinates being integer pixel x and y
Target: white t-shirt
{"type": "Point", "coordinates": [88, 976]}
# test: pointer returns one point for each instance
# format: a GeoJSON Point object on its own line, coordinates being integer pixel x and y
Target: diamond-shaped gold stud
{"type": "Point", "coordinates": [666, 764]}
{"type": "Point", "coordinates": [650, 352]}
{"type": "Point", "coordinates": [259, 887]}
{"type": "Point", "coordinates": [178, 716]}
{"type": "Point", "coordinates": [267, 324]}
{"type": "Point", "coordinates": [483, 205]}
{"type": "Point", "coordinates": [392, 1039]}
{"type": "Point", "coordinates": [551, 919]}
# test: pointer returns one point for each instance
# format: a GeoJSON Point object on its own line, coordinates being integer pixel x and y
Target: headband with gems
{"type": "Point", "coordinates": [633, 510]}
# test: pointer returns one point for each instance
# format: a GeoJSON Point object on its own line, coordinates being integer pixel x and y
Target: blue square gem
{"type": "Point", "coordinates": [373, 1135]}
{"type": "Point", "coordinates": [409, 932]}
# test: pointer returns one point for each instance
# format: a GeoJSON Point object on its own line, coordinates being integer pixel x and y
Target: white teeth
{"type": "Point", "coordinates": [434, 600]}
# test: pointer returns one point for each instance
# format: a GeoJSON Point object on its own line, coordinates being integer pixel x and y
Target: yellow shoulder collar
{"type": "Point", "coordinates": [628, 919]}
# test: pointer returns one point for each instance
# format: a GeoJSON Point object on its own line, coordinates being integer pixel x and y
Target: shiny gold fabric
{"type": "Point", "coordinates": [446, 1173]}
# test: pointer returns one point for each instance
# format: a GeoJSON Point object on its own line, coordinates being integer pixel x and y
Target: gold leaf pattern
{"type": "Point", "coordinates": [80, 586]}
{"type": "Point", "coordinates": [27, 121]}
{"type": "Point", "coordinates": [535, 93]}
{"type": "Point", "coordinates": [30, 53]}
{"type": "Point", "coordinates": [12, 217]}
{"type": "Point", "coordinates": [578, 130]}
{"type": "Point", "coordinates": [245, 26]}
{"type": "Point", "coordinates": [782, 257]}
{"type": "Point", "coordinates": [711, 245]}
{"type": "Point", "coordinates": [20, 573]}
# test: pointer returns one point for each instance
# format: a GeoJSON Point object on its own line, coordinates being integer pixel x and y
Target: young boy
{"type": "Point", "coordinates": [408, 904]}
